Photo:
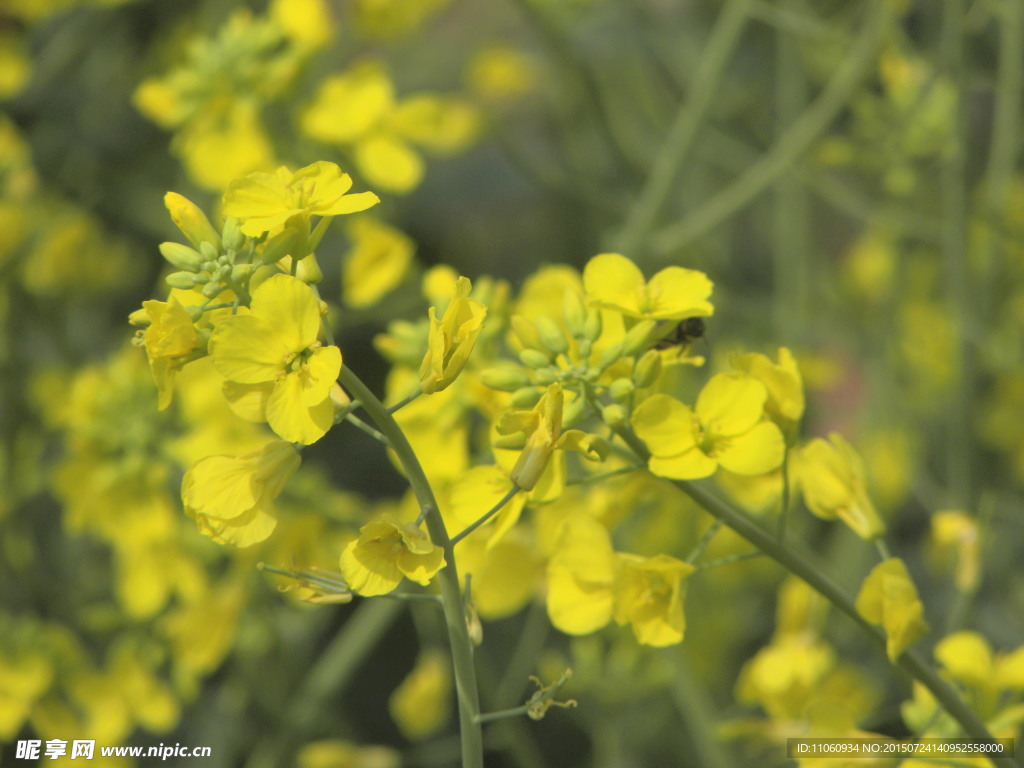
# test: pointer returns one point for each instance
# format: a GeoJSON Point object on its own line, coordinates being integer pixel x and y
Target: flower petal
{"type": "Point", "coordinates": [287, 306]}
{"type": "Point", "coordinates": [755, 452]}
{"type": "Point", "coordinates": [290, 417]}
{"type": "Point", "coordinates": [246, 350]}
{"type": "Point", "coordinates": [664, 424]}
{"type": "Point", "coordinates": [613, 281]}
{"type": "Point", "coordinates": [730, 404]}
{"type": "Point", "coordinates": [676, 293]}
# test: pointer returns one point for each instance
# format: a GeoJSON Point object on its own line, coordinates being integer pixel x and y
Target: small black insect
{"type": "Point", "coordinates": [685, 332]}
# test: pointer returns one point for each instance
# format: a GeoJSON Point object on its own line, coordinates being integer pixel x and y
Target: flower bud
{"type": "Point", "coordinates": [191, 221]}
{"type": "Point", "coordinates": [212, 290]}
{"type": "Point", "coordinates": [285, 243]}
{"type": "Point", "coordinates": [183, 280]}
{"type": "Point", "coordinates": [574, 311]}
{"type": "Point", "coordinates": [140, 318]}
{"type": "Point", "coordinates": [525, 398]}
{"type": "Point", "coordinates": [572, 412]}
{"type": "Point", "coordinates": [309, 270]}
{"type": "Point", "coordinates": [547, 375]}
{"type": "Point", "coordinates": [533, 358]}
{"type": "Point", "coordinates": [240, 273]}
{"type": "Point", "coordinates": [551, 335]}
{"type": "Point", "coordinates": [610, 355]}
{"type": "Point", "coordinates": [506, 379]}
{"type": "Point", "coordinates": [526, 333]}
{"type": "Point", "coordinates": [592, 325]}
{"type": "Point", "coordinates": [621, 389]}
{"type": "Point", "coordinates": [181, 256]}
{"type": "Point", "coordinates": [648, 369]}
{"type": "Point", "coordinates": [232, 235]}
{"type": "Point", "coordinates": [638, 338]}
{"type": "Point", "coordinates": [613, 415]}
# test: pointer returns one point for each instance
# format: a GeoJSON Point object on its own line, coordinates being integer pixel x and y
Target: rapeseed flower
{"type": "Point", "coordinates": [451, 339]}
{"type": "Point", "coordinates": [726, 428]}
{"type": "Point", "coordinates": [275, 347]}
{"type": "Point", "coordinates": [421, 704]}
{"type": "Point", "coordinates": [831, 476]}
{"type": "Point", "coordinates": [171, 341]}
{"type": "Point", "coordinates": [649, 597]}
{"type": "Point", "coordinates": [614, 282]}
{"type": "Point", "coordinates": [388, 549]}
{"type": "Point", "coordinates": [888, 598]}
{"type": "Point", "coordinates": [231, 497]}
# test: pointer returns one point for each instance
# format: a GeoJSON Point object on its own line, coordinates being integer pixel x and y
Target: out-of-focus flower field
{"type": "Point", "coordinates": [529, 383]}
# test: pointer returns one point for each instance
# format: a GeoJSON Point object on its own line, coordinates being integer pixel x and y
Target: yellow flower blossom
{"type": "Point", "coordinates": [335, 753]}
{"type": "Point", "coordinates": [581, 577]}
{"type": "Point", "coordinates": [542, 428]}
{"type": "Point", "coordinates": [231, 498]}
{"type": "Point", "coordinates": [614, 282]}
{"type": "Point", "coordinates": [170, 341]}
{"type": "Point", "coordinates": [478, 490]}
{"type": "Point", "coordinates": [888, 598]}
{"type": "Point", "coordinates": [968, 658]}
{"type": "Point", "coordinates": [266, 201]}
{"type": "Point", "coordinates": [726, 428]}
{"type": "Point", "coordinates": [421, 704]}
{"type": "Point", "coordinates": [506, 573]}
{"type": "Point", "coordinates": [955, 537]}
{"type": "Point", "coordinates": [649, 597]}
{"type": "Point", "coordinates": [388, 549]}
{"type": "Point", "coordinates": [785, 387]}
{"type": "Point", "coordinates": [379, 259]}
{"type": "Point", "coordinates": [451, 338]}
{"type": "Point", "coordinates": [831, 476]}
{"type": "Point", "coordinates": [275, 346]}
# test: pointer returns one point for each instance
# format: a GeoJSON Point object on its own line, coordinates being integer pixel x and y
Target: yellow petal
{"type": "Point", "coordinates": [319, 374]}
{"type": "Point", "coordinates": [888, 598]}
{"type": "Point", "coordinates": [613, 281]}
{"type": "Point", "coordinates": [220, 486]}
{"type": "Point", "coordinates": [287, 305]}
{"type": "Point", "coordinates": [247, 350]}
{"type": "Point", "coordinates": [966, 657]}
{"type": "Point", "coordinates": [290, 417]}
{"type": "Point", "coordinates": [676, 293]}
{"type": "Point", "coordinates": [690, 465]}
{"type": "Point", "coordinates": [369, 569]}
{"type": "Point", "coordinates": [730, 404]}
{"type": "Point", "coordinates": [664, 424]}
{"type": "Point", "coordinates": [388, 163]}
{"type": "Point", "coordinates": [755, 452]}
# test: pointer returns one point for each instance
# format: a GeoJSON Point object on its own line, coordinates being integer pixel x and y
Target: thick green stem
{"type": "Point", "coordinates": [681, 135]}
{"type": "Point", "coordinates": [804, 131]}
{"type": "Point", "coordinates": [448, 577]}
{"type": "Point", "coordinates": [800, 565]}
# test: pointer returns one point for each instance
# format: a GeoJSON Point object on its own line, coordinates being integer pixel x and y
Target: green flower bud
{"type": "Point", "coordinates": [526, 398]}
{"type": "Point", "coordinates": [585, 348]}
{"type": "Point", "coordinates": [547, 375]}
{"type": "Point", "coordinates": [191, 221]}
{"type": "Point", "coordinates": [309, 270]}
{"type": "Point", "coordinates": [638, 338]}
{"type": "Point", "coordinates": [140, 318]}
{"type": "Point", "coordinates": [209, 252]}
{"type": "Point", "coordinates": [181, 256]}
{"type": "Point", "coordinates": [285, 243]}
{"type": "Point", "coordinates": [195, 312]}
{"type": "Point", "coordinates": [572, 412]}
{"type": "Point", "coordinates": [621, 389]}
{"type": "Point", "coordinates": [526, 333]}
{"type": "Point", "coordinates": [506, 379]}
{"type": "Point", "coordinates": [648, 369]}
{"type": "Point", "coordinates": [211, 290]}
{"type": "Point", "coordinates": [514, 442]}
{"type": "Point", "coordinates": [613, 415]}
{"type": "Point", "coordinates": [574, 311]}
{"type": "Point", "coordinates": [592, 325]}
{"type": "Point", "coordinates": [610, 355]}
{"type": "Point", "coordinates": [183, 280]}
{"type": "Point", "coordinates": [551, 335]}
{"type": "Point", "coordinates": [532, 358]}
{"type": "Point", "coordinates": [240, 273]}
{"type": "Point", "coordinates": [232, 235]}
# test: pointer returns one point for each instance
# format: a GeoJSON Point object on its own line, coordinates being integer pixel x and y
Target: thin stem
{"type": "Point", "coordinates": [676, 148]}
{"type": "Point", "coordinates": [695, 709]}
{"type": "Point", "coordinates": [362, 425]}
{"type": "Point", "coordinates": [471, 735]}
{"type": "Point", "coordinates": [486, 516]}
{"type": "Point", "coordinates": [488, 717]}
{"type": "Point", "coordinates": [709, 534]}
{"type": "Point", "coordinates": [800, 565]}
{"type": "Point", "coordinates": [404, 401]}
{"type": "Point", "coordinates": [883, 548]}
{"type": "Point", "coordinates": [803, 132]}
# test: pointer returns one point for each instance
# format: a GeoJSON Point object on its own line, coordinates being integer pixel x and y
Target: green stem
{"type": "Point", "coordinates": [709, 534]}
{"type": "Point", "coordinates": [486, 516]}
{"type": "Point", "coordinates": [502, 714]}
{"type": "Point", "coordinates": [362, 425]}
{"type": "Point", "coordinates": [448, 577]}
{"type": "Point", "coordinates": [676, 148]}
{"type": "Point", "coordinates": [405, 401]}
{"type": "Point", "coordinates": [800, 565]}
{"type": "Point", "coordinates": [803, 132]}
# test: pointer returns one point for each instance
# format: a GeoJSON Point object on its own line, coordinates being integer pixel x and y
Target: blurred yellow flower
{"type": "Point", "coordinates": [379, 259]}
{"type": "Point", "coordinates": [421, 704]}
{"type": "Point", "coordinates": [726, 428]}
{"type": "Point", "coordinates": [614, 282]}
{"type": "Point", "coordinates": [831, 476]}
{"type": "Point", "coordinates": [581, 576]}
{"type": "Point", "coordinates": [170, 341]}
{"type": "Point", "coordinates": [649, 597]}
{"type": "Point", "coordinates": [889, 599]}
{"type": "Point", "coordinates": [231, 498]}
{"type": "Point", "coordinates": [451, 338]}
{"type": "Point", "coordinates": [335, 753]}
{"type": "Point", "coordinates": [500, 72]}
{"type": "Point", "coordinates": [388, 549]}
{"type": "Point", "coordinates": [782, 381]}
{"type": "Point", "coordinates": [265, 201]}
{"type": "Point", "coordinates": [275, 346]}
{"type": "Point", "coordinates": [955, 539]}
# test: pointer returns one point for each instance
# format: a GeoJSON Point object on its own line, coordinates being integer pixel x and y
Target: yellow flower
{"type": "Point", "coordinates": [967, 658]}
{"type": "Point", "coordinates": [349, 105]}
{"type": "Point", "coordinates": [581, 577]}
{"type": "Point", "coordinates": [335, 753]}
{"type": "Point", "coordinates": [378, 261]}
{"type": "Point", "coordinates": [388, 549]}
{"type": "Point", "coordinates": [614, 282]}
{"type": "Point", "coordinates": [189, 218]}
{"type": "Point", "coordinates": [265, 201]}
{"type": "Point", "coordinates": [275, 346]}
{"type": "Point", "coordinates": [649, 597]}
{"type": "Point", "coordinates": [218, 148]}
{"type": "Point", "coordinates": [231, 497]}
{"type": "Point", "coordinates": [888, 598]}
{"type": "Point", "coordinates": [725, 428]}
{"type": "Point", "coordinates": [451, 339]}
{"type": "Point", "coordinates": [307, 22]}
{"type": "Point", "coordinates": [542, 427]}
{"type": "Point", "coordinates": [831, 475]}
{"type": "Point", "coordinates": [955, 537]}
{"type": "Point", "coordinates": [785, 404]}
{"type": "Point", "coordinates": [171, 341]}
{"type": "Point", "coordinates": [420, 705]}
